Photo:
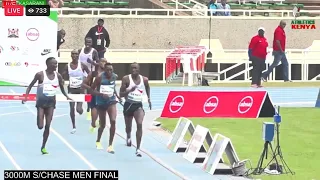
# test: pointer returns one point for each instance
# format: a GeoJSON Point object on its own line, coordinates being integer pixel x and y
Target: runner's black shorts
{"type": "Point", "coordinates": [129, 108]}
{"type": "Point", "coordinates": [93, 103]}
{"type": "Point", "coordinates": [75, 90]}
{"type": "Point", "coordinates": [45, 103]}
{"type": "Point", "coordinates": [106, 105]}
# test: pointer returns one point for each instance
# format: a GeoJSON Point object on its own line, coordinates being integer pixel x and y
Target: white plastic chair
{"type": "Point", "coordinates": [189, 64]}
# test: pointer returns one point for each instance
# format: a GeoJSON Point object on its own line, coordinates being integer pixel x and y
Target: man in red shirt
{"type": "Point", "coordinates": [279, 45]}
{"type": "Point", "coordinates": [257, 54]}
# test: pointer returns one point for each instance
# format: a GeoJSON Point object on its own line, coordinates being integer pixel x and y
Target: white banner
{"type": "Point", "coordinates": [25, 44]}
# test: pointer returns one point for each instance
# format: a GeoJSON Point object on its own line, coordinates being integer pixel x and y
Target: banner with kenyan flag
{"type": "Point", "coordinates": [26, 43]}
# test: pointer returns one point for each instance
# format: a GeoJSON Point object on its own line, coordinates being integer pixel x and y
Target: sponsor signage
{"type": "Point", "coordinates": [45, 52]}
{"type": "Point", "coordinates": [32, 34]}
{"type": "Point", "coordinates": [233, 104]}
{"type": "Point", "coordinates": [12, 63]}
{"type": "Point", "coordinates": [14, 48]}
{"type": "Point", "coordinates": [13, 33]}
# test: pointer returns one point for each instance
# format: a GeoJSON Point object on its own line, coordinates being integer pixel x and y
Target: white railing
{"type": "Point", "coordinates": [178, 4]}
{"type": "Point", "coordinates": [169, 13]}
{"type": "Point", "coordinates": [305, 57]}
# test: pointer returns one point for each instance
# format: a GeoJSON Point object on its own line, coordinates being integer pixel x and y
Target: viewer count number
{"type": "Point", "coordinates": [37, 10]}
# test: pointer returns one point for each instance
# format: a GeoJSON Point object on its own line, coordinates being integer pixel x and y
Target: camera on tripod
{"type": "Point", "coordinates": [277, 164]}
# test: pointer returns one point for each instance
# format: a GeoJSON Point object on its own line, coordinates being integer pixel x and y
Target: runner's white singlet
{"type": "Point", "coordinates": [75, 76]}
{"type": "Point", "coordinates": [84, 59]}
{"type": "Point", "coordinates": [49, 86]}
{"type": "Point", "coordinates": [138, 93]}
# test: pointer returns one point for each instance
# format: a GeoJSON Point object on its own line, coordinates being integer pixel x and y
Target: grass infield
{"type": "Point", "coordinates": [299, 135]}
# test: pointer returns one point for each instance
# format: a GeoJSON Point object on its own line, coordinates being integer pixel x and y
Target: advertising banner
{"type": "Point", "coordinates": [25, 44]}
{"type": "Point", "coordinates": [231, 104]}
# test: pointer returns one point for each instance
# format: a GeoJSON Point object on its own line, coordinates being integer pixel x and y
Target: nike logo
{"type": "Point", "coordinates": [45, 52]}
{"type": "Point", "coordinates": [97, 34]}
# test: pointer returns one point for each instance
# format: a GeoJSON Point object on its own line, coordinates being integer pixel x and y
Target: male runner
{"type": "Point", "coordinates": [132, 88]}
{"type": "Point", "coordinates": [104, 88]}
{"type": "Point", "coordinates": [87, 85]}
{"type": "Point", "coordinates": [89, 56]}
{"type": "Point", "coordinates": [75, 71]}
{"type": "Point", "coordinates": [48, 82]}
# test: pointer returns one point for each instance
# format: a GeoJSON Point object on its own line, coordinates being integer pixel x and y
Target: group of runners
{"type": "Point", "coordinates": [89, 74]}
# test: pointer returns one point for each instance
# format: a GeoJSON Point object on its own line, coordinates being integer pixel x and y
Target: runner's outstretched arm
{"type": "Point", "coordinates": [61, 86]}
{"type": "Point", "coordinates": [64, 71]}
{"type": "Point", "coordinates": [36, 78]}
{"type": "Point", "coordinates": [147, 86]}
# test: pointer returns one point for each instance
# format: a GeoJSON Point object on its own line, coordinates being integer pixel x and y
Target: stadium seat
{"type": "Point", "coordinates": [189, 4]}
{"type": "Point", "coordinates": [96, 4]}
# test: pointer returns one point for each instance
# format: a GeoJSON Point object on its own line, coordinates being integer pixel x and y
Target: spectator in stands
{"type": "Point", "coordinates": [61, 35]}
{"type": "Point", "coordinates": [257, 54]}
{"type": "Point", "coordinates": [55, 3]}
{"type": "Point", "coordinates": [279, 47]}
{"type": "Point", "coordinates": [100, 38]}
{"type": "Point", "coordinates": [212, 7]}
{"type": "Point", "coordinates": [223, 5]}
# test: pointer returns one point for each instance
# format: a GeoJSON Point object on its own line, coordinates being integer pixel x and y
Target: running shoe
{"type": "Point", "coordinates": [138, 153]}
{"type": "Point", "coordinates": [129, 142]}
{"type": "Point", "coordinates": [44, 151]}
{"type": "Point", "coordinates": [110, 150]}
{"type": "Point", "coordinates": [98, 145]}
{"type": "Point", "coordinates": [89, 116]}
{"type": "Point", "coordinates": [98, 123]}
{"type": "Point", "coordinates": [74, 130]}
{"type": "Point", "coordinates": [92, 129]}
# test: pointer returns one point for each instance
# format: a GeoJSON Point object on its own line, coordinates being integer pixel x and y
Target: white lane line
{"type": "Point", "coordinates": [6, 152]}
{"type": "Point", "coordinates": [13, 113]}
{"type": "Point", "coordinates": [91, 166]}
{"type": "Point", "coordinates": [5, 107]}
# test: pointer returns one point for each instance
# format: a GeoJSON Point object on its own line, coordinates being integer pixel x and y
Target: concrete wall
{"type": "Point", "coordinates": [156, 33]}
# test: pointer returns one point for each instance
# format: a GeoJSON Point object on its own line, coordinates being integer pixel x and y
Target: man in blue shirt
{"type": "Point", "coordinates": [223, 5]}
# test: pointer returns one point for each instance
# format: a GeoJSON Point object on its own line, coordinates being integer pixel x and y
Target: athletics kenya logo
{"type": "Point", "coordinates": [211, 104]}
{"type": "Point", "coordinates": [176, 104]}
{"type": "Point", "coordinates": [245, 104]}
{"type": "Point", "coordinates": [303, 24]}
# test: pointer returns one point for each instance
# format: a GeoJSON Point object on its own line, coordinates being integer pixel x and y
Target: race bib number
{"type": "Point", "coordinates": [99, 42]}
{"type": "Point", "coordinates": [75, 82]}
{"type": "Point", "coordinates": [49, 90]}
{"type": "Point", "coordinates": [136, 95]}
{"type": "Point", "coordinates": [107, 89]}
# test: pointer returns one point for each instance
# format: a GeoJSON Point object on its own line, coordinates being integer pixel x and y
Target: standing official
{"type": "Point", "coordinates": [257, 54]}
{"type": "Point", "coordinates": [279, 45]}
{"type": "Point", "coordinates": [100, 38]}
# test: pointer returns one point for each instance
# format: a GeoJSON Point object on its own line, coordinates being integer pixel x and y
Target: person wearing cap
{"type": "Point", "coordinates": [257, 54]}
{"type": "Point", "coordinates": [100, 38]}
{"type": "Point", "coordinates": [279, 45]}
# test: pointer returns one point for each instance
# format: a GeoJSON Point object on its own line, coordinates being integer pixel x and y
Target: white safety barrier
{"type": "Point", "coordinates": [33, 97]}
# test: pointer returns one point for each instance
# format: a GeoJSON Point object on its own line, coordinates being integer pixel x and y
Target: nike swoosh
{"type": "Point", "coordinates": [45, 53]}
